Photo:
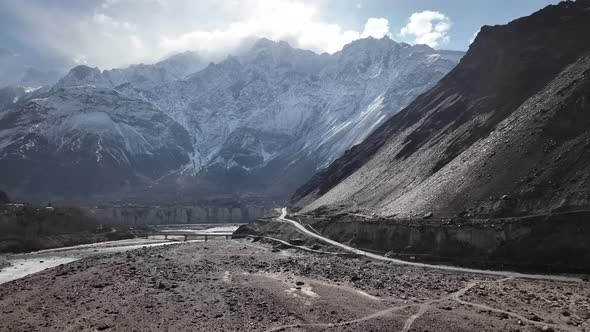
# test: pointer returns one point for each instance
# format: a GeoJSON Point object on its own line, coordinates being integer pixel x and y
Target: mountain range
{"type": "Point", "coordinates": [261, 122]}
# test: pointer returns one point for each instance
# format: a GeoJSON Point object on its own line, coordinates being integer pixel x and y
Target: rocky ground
{"type": "Point", "coordinates": [238, 285]}
{"type": "Point", "coordinates": [3, 263]}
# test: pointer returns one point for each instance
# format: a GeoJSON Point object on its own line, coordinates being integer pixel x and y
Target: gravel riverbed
{"type": "Point", "coordinates": [238, 285]}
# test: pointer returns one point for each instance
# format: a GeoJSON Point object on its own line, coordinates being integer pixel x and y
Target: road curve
{"type": "Point", "coordinates": [302, 229]}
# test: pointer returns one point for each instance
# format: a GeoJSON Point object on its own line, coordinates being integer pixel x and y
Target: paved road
{"type": "Point", "coordinates": [302, 229]}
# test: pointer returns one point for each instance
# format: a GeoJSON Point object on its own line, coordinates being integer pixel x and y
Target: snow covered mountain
{"type": "Point", "coordinates": [136, 77]}
{"type": "Point", "coordinates": [273, 116]}
{"type": "Point", "coordinates": [65, 142]}
{"type": "Point", "coordinates": [262, 121]}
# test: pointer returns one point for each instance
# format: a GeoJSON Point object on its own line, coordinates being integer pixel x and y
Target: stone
{"type": "Point", "coordinates": [103, 327]}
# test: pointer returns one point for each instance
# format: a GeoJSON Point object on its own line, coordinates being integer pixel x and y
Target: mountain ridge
{"type": "Point", "coordinates": [293, 101]}
{"type": "Point", "coordinates": [264, 120]}
{"type": "Point", "coordinates": [504, 67]}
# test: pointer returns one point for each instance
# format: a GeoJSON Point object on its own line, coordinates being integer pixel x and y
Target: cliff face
{"type": "Point", "coordinates": [504, 133]}
{"type": "Point", "coordinates": [27, 228]}
{"type": "Point", "coordinates": [543, 243]}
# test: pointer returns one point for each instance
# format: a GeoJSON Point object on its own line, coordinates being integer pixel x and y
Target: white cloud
{"type": "Point", "coordinates": [115, 33]}
{"type": "Point", "coordinates": [376, 27]}
{"type": "Point", "coordinates": [109, 23]}
{"type": "Point", "coordinates": [80, 59]}
{"type": "Point", "coordinates": [290, 20]}
{"type": "Point", "coordinates": [109, 3]}
{"type": "Point", "coordinates": [112, 3]}
{"type": "Point", "coordinates": [428, 27]}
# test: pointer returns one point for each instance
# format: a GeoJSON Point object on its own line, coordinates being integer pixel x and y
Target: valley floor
{"type": "Point", "coordinates": [238, 285]}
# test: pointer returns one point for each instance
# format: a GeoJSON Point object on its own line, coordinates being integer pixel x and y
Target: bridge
{"type": "Point", "coordinates": [186, 235]}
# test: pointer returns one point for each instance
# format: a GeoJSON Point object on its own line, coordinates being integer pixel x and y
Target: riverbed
{"type": "Point", "coordinates": [239, 285]}
{"type": "Point", "coordinates": [21, 265]}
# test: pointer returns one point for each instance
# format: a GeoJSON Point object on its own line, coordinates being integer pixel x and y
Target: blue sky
{"type": "Point", "coordinates": [114, 33]}
{"type": "Point", "coordinates": [467, 16]}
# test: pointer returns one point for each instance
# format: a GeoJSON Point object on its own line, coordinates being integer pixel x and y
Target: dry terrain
{"type": "Point", "coordinates": [238, 285]}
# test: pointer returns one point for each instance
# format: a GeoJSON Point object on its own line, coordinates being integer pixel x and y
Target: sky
{"type": "Point", "coordinates": [116, 33]}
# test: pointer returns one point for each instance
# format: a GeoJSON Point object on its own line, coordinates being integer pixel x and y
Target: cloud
{"type": "Point", "coordinates": [108, 22]}
{"type": "Point", "coordinates": [428, 27]}
{"type": "Point", "coordinates": [376, 27]}
{"type": "Point", "coordinates": [116, 33]}
{"type": "Point", "coordinates": [107, 4]}
{"type": "Point", "coordinates": [290, 20]}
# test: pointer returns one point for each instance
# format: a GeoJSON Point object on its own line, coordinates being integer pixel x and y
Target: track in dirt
{"type": "Point", "coordinates": [427, 305]}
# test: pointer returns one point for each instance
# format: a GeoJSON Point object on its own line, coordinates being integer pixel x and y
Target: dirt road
{"type": "Point", "coordinates": [302, 229]}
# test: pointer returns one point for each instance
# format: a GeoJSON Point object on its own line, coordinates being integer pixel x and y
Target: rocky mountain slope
{"type": "Point", "coordinates": [263, 121]}
{"type": "Point", "coordinates": [9, 96]}
{"type": "Point", "coordinates": [503, 134]}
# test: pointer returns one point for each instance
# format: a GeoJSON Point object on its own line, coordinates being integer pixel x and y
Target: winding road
{"type": "Point", "coordinates": [427, 305]}
{"type": "Point", "coordinates": [304, 230]}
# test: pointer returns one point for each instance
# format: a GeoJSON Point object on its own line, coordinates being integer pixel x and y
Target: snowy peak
{"type": "Point", "coordinates": [369, 44]}
{"type": "Point", "coordinates": [138, 76]}
{"type": "Point", "coordinates": [185, 62]}
{"type": "Point", "coordinates": [149, 76]}
{"type": "Point", "coordinates": [267, 43]}
{"type": "Point", "coordinates": [281, 57]}
{"type": "Point", "coordinates": [83, 75]}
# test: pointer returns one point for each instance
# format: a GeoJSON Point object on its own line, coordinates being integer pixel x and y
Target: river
{"type": "Point", "coordinates": [22, 265]}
